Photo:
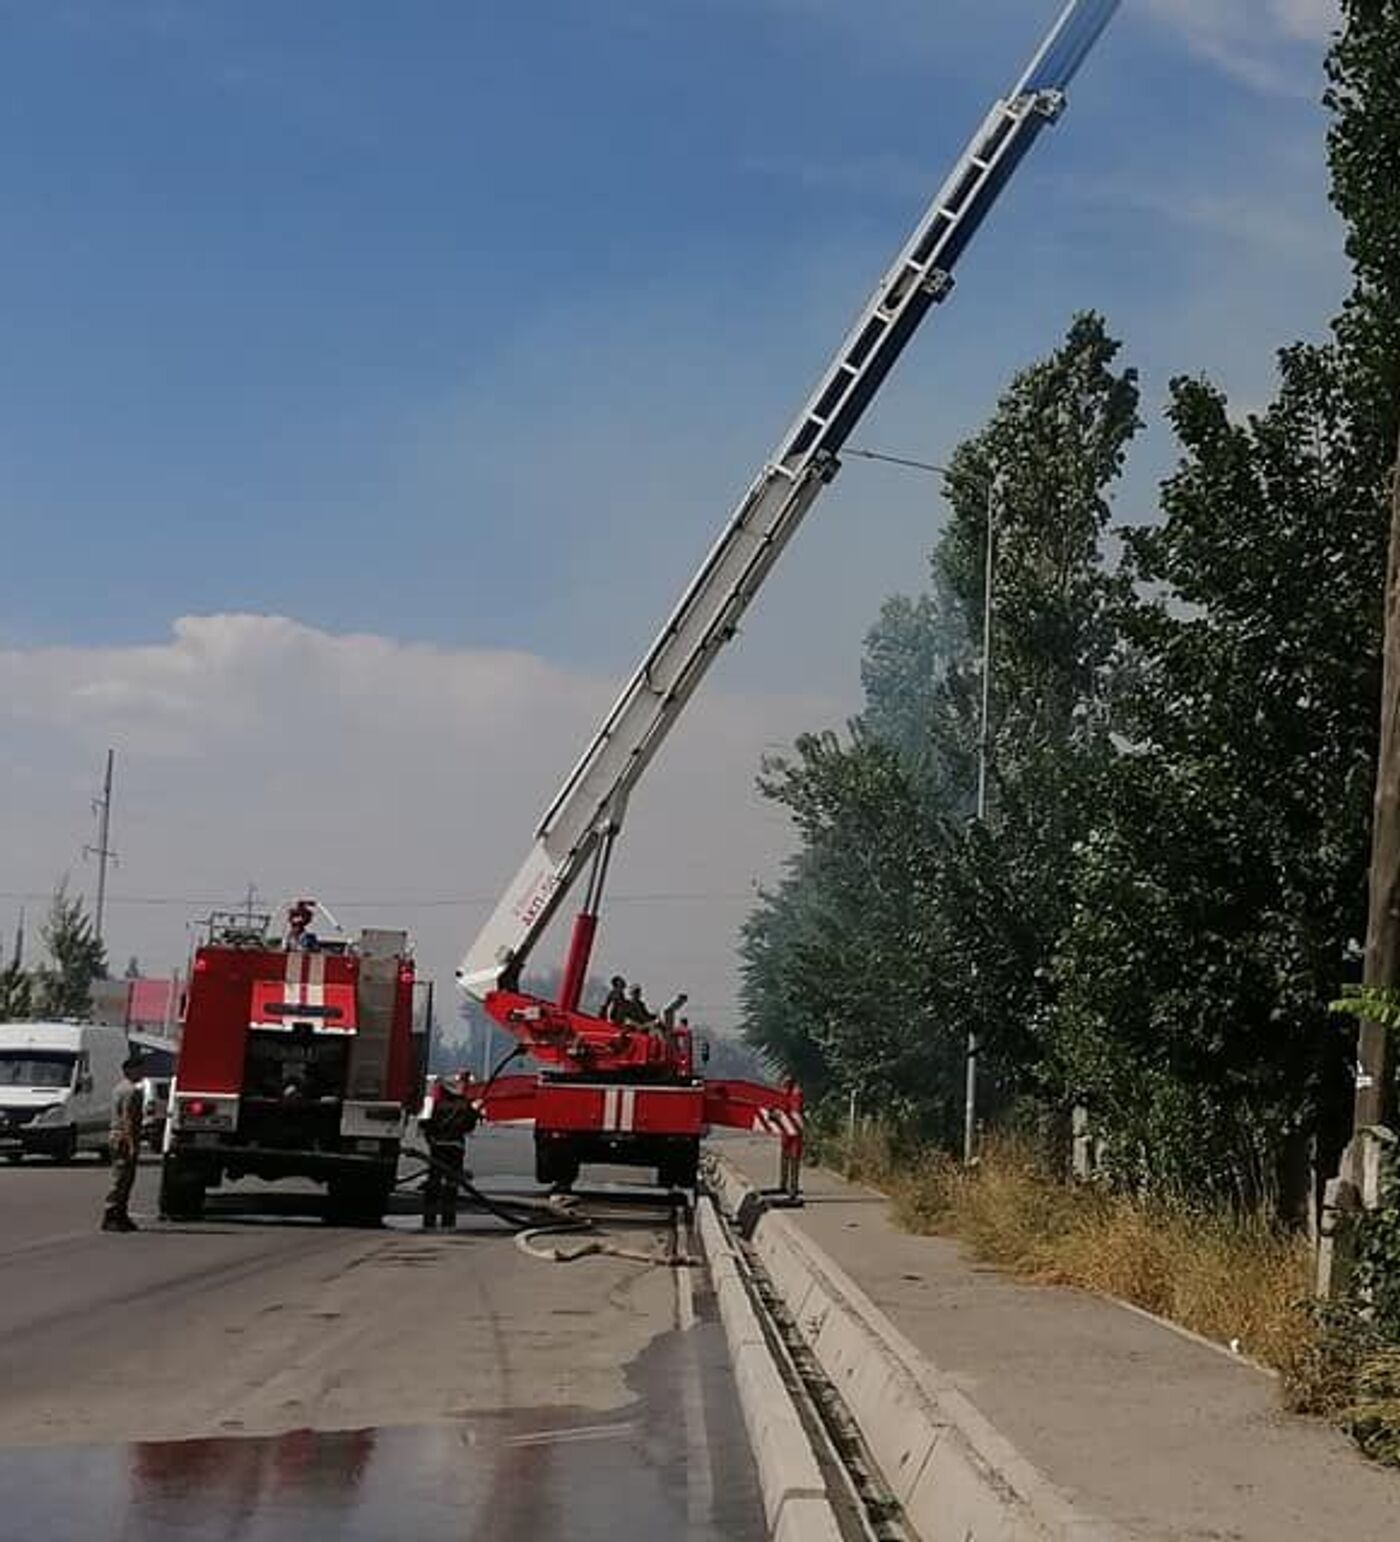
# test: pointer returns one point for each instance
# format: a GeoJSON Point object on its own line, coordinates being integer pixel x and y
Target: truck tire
{"type": "Point", "coordinates": [66, 1150]}
{"type": "Point", "coordinates": [182, 1191]}
{"type": "Point", "coordinates": [358, 1199]}
{"type": "Point", "coordinates": [681, 1168]}
{"type": "Point", "coordinates": [556, 1164]}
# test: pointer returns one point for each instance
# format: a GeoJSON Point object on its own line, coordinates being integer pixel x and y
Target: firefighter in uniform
{"type": "Point", "coordinates": [449, 1116]}
{"type": "Point", "coordinates": [125, 1142]}
{"type": "Point", "coordinates": [614, 1007]}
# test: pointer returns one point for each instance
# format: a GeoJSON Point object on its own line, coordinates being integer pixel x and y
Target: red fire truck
{"type": "Point", "coordinates": [299, 1058]}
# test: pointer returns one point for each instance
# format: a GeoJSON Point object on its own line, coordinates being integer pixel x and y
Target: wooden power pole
{"type": "Point", "coordinates": [1358, 1184]}
{"type": "Point", "coordinates": [1383, 922]}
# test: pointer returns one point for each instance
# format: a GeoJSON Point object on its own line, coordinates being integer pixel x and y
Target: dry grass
{"type": "Point", "coordinates": [1374, 1417]}
{"type": "Point", "coordinates": [1236, 1282]}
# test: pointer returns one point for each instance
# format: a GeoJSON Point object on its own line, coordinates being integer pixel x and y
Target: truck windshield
{"type": "Point", "coordinates": [35, 1068]}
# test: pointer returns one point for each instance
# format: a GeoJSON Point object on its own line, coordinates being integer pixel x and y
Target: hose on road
{"type": "Point", "coordinates": [599, 1247]}
{"type": "Point", "coordinates": [530, 1220]}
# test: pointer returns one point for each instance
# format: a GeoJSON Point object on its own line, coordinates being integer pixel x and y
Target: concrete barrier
{"type": "Point", "coordinates": [958, 1479]}
{"type": "Point", "coordinates": [794, 1494]}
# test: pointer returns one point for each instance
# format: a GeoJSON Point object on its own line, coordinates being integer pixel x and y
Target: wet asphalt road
{"type": "Point", "coordinates": [274, 1379]}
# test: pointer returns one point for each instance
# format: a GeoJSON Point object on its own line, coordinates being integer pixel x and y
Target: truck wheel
{"type": "Point", "coordinates": [358, 1201]}
{"type": "Point", "coordinates": [66, 1150]}
{"type": "Point", "coordinates": [681, 1169]}
{"type": "Point", "coordinates": [556, 1165]}
{"type": "Point", "coordinates": [182, 1191]}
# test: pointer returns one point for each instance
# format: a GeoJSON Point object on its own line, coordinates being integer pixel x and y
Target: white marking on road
{"type": "Point", "coordinates": [584, 1432]}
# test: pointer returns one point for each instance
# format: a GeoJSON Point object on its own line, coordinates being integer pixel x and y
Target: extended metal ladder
{"type": "Point", "coordinates": [588, 811]}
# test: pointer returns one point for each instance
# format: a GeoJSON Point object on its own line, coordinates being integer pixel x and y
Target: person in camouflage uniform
{"type": "Point", "coordinates": [125, 1144]}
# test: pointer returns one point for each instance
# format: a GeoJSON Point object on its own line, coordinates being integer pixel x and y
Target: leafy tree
{"type": "Point", "coordinates": [842, 965]}
{"type": "Point", "coordinates": [914, 654]}
{"type": "Point", "coordinates": [1054, 449]}
{"type": "Point", "coordinates": [1364, 153]}
{"type": "Point", "coordinates": [75, 958]}
{"type": "Point", "coordinates": [1214, 903]}
{"type": "Point", "coordinates": [897, 926]}
{"type": "Point", "coordinates": [16, 992]}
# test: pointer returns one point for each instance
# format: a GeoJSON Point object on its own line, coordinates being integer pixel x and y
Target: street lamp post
{"type": "Point", "coordinates": [990, 490]}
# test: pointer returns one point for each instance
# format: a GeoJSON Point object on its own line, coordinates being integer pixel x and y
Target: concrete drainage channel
{"type": "Point", "coordinates": [818, 1482]}
{"type": "Point", "coordinates": [856, 1434]}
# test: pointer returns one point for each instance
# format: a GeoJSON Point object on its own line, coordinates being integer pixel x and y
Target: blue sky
{"type": "Point", "coordinates": [509, 295]}
{"type": "Point", "coordinates": [464, 322]}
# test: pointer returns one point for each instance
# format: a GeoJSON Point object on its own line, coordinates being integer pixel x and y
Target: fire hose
{"type": "Point", "coordinates": [531, 1220]}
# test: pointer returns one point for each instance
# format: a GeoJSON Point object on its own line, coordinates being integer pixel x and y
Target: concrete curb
{"type": "Point", "coordinates": [957, 1477]}
{"type": "Point", "coordinates": [794, 1493]}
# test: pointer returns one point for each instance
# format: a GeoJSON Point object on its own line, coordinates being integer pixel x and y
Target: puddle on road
{"type": "Point", "coordinates": [572, 1482]}
{"type": "Point", "coordinates": [656, 1468]}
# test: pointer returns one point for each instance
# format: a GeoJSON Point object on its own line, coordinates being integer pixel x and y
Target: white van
{"type": "Point", "coordinates": [56, 1083]}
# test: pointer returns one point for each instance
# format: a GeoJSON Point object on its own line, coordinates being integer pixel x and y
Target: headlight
{"type": "Point", "coordinates": [54, 1114]}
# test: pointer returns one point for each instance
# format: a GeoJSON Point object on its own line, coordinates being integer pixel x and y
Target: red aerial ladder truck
{"type": "Point", "coordinates": [628, 1093]}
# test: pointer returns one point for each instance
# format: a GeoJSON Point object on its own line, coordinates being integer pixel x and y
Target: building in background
{"type": "Point", "coordinates": [149, 1010]}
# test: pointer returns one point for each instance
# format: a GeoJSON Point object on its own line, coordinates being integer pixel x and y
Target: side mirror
{"type": "Point", "coordinates": [704, 1052]}
{"type": "Point", "coordinates": [85, 1084]}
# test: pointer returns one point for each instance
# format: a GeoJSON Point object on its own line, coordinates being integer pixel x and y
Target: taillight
{"type": "Point", "coordinates": [199, 1108]}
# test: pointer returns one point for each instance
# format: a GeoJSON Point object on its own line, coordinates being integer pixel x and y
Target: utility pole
{"type": "Point", "coordinates": [102, 807]}
{"type": "Point", "coordinates": [1383, 922]}
{"type": "Point", "coordinates": [991, 490]}
{"type": "Point", "coordinates": [984, 733]}
{"type": "Point", "coordinates": [1358, 1184]}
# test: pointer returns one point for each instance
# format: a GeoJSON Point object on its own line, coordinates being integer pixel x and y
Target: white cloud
{"type": "Point", "coordinates": [1271, 45]}
{"type": "Point", "coordinates": [401, 783]}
